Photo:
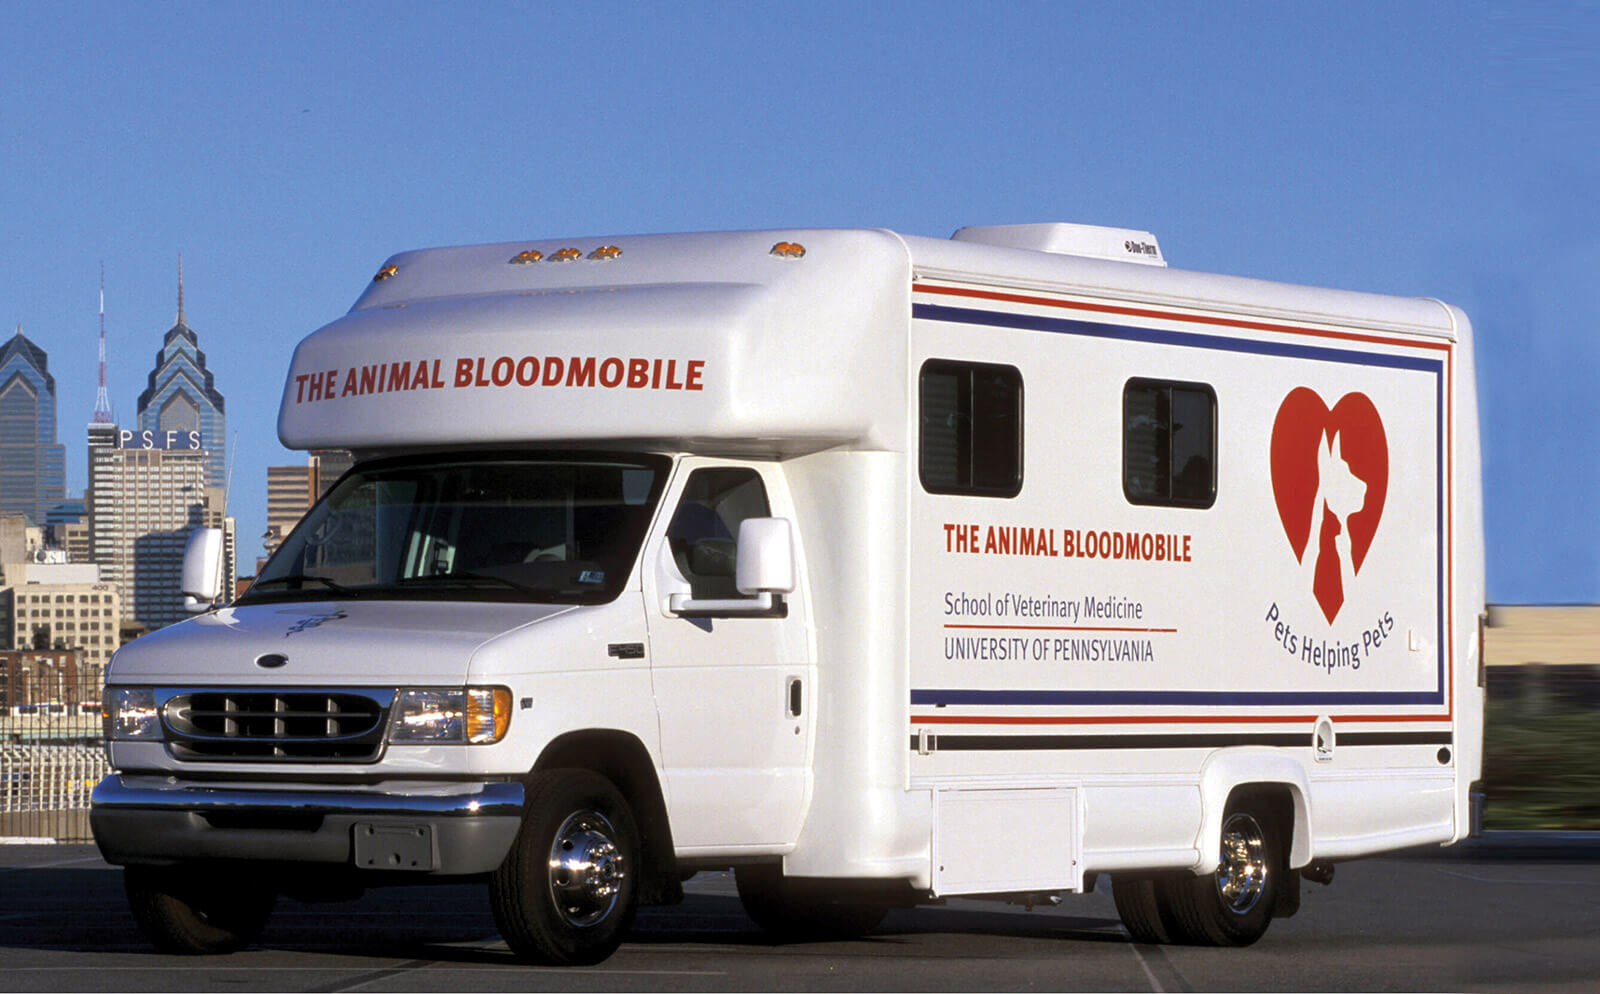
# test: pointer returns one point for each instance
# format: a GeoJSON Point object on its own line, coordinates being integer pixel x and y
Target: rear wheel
{"type": "Point", "coordinates": [1234, 905]}
{"type": "Point", "coordinates": [793, 909]}
{"type": "Point", "coordinates": [567, 892]}
{"type": "Point", "coordinates": [182, 909]}
{"type": "Point", "coordinates": [1231, 907]}
{"type": "Point", "coordinates": [1139, 905]}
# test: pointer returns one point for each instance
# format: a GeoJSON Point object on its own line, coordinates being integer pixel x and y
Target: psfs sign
{"type": "Point", "coordinates": [172, 439]}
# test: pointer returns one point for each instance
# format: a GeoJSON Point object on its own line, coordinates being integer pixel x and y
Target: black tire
{"type": "Point", "coordinates": [790, 909]}
{"type": "Point", "coordinates": [1234, 905]}
{"type": "Point", "coordinates": [1139, 905]}
{"type": "Point", "coordinates": [567, 892]}
{"type": "Point", "coordinates": [185, 910]}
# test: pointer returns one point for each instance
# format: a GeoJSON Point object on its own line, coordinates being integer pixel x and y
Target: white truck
{"type": "Point", "coordinates": [880, 569]}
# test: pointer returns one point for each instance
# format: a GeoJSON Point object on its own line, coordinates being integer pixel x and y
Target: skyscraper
{"type": "Point", "coordinates": [181, 403]}
{"type": "Point", "coordinates": [32, 462]}
{"type": "Point", "coordinates": [145, 502]}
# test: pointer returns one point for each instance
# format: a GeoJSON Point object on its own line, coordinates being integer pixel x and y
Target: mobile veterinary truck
{"type": "Point", "coordinates": [880, 569]}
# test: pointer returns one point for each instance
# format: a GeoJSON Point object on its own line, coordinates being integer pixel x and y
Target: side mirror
{"type": "Point", "coordinates": [202, 569]}
{"type": "Point", "coordinates": [765, 563]}
{"type": "Point", "coordinates": [764, 570]}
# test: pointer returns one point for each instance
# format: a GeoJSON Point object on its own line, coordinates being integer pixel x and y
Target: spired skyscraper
{"type": "Point", "coordinates": [32, 462]}
{"type": "Point", "coordinates": [181, 408]}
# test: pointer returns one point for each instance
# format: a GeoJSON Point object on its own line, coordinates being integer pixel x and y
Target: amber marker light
{"type": "Point", "coordinates": [387, 272]}
{"type": "Point", "coordinates": [565, 255]}
{"type": "Point", "coordinates": [488, 714]}
{"type": "Point", "coordinates": [605, 252]}
{"type": "Point", "coordinates": [527, 257]}
{"type": "Point", "coordinates": [788, 250]}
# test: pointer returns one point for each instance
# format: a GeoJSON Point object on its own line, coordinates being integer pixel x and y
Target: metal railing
{"type": "Point", "coordinates": [50, 759]}
{"type": "Point", "coordinates": [44, 790]}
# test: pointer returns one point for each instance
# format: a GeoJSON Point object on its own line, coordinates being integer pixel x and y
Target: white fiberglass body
{"type": "Point", "coordinates": [1083, 552]}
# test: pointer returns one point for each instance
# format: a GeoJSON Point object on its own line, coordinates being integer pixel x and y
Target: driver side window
{"type": "Point", "coordinates": [704, 531]}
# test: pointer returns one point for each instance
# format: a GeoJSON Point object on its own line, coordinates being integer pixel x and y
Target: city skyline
{"type": "Point", "coordinates": [179, 368]}
{"type": "Point", "coordinates": [179, 407]}
{"type": "Point", "coordinates": [180, 413]}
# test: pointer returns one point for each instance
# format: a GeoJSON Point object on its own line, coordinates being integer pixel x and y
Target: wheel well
{"type": "Point", "coordinates": [623, 759]}
{"type": "Point", "coordinates": [1275, 776]}
{"type": "Point", "coordinates": [1276, 801]}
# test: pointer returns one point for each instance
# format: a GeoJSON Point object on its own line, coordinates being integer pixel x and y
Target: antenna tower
{"type": "Point", "coordinates": [102, 402]}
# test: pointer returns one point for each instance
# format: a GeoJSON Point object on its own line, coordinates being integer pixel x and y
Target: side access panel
{"type": "Point", "coordinates": [1003, 840]}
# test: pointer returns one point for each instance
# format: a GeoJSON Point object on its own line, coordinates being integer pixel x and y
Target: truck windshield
{"type": "Point", "coordinates": [559, 529]}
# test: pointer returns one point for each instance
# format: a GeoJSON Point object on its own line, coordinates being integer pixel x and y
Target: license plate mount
{"type": "Point", "coordinates": [384, 846]}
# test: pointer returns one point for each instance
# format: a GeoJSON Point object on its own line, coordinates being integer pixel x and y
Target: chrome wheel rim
{"type": "Point", "coordinates": [587, 869]}
{"type": "Point", "coordinates": [1242, 873]}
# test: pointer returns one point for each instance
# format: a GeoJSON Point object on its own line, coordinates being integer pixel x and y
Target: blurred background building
{"type": "Point", "coordinates": [32, 462]}
{"type": "Point", "coordinates": [61, 606]}
{"type": "Point", "coordinates": [143, 503]}
{"type": "Point", "coordinates": [291, 490]}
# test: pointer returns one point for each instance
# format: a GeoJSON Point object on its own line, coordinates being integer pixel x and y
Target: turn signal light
{"type": "Point", "coordinates": [488, 713]}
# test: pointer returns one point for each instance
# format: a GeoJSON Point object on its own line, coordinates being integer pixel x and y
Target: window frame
{"type": "Point", "coordinates": [660, 465]}
{"type": "Point", "coordinates": [680, 545]}
{"type": "Point", "coordinates": [970, 368]}
{"type": "Point", "coordinates": [1148, 383]}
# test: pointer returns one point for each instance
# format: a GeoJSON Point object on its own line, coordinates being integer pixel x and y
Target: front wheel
{"type": "Point", "coordinates": [568, 889]}
{"type": "Point", "coordinates": [181, 909]}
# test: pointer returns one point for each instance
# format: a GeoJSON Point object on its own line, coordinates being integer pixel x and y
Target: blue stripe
{"type": "Point", "coordinates": [1199, 340]}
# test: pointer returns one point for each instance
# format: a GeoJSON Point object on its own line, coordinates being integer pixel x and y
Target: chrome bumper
{"type": "Point", "coordinates": [448, 830]}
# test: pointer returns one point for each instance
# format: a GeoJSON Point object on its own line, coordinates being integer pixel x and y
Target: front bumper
{"type": "Point", "coordinates": [444, 829]}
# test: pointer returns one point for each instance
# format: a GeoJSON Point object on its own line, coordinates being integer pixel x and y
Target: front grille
{"type": "Point", "coordinates": [277, 725]}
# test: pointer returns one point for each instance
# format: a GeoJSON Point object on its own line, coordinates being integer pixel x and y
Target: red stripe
{"type": "Point", "coordinates": [1165, 719]}
{"type": "Point", "coordinates": [1145, 312]}
{"type": "Point", "coordinates": [1059, 628]}
{"type": "Point", "coordinates": [1450, 526]}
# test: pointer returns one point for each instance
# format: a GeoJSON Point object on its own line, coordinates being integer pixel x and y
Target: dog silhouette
{"type": "Point", "coordinates": [1340, 493]}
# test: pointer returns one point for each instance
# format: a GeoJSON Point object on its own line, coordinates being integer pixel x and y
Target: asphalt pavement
{"type": "Point", "coordinates": [1510, 911]}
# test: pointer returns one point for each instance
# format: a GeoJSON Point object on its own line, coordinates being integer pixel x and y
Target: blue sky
{"type": "Point", "coordinates": [1421, 149]}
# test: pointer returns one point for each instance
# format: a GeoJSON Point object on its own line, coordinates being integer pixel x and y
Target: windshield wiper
{"type": "Point", "coordinates": [304, 578]}
{"type": "Point", "coordinates": [526, 588]}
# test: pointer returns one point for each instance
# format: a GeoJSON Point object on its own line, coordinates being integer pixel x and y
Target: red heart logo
{"type": "Point", "coordinates": [1329, 469]}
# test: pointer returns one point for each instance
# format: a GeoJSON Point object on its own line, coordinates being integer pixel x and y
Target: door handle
{"type": "Point", "coordinates": [796, 695]}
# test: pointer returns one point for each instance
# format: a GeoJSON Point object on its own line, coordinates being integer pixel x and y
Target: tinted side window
{"type": "Point", "coordinates": [704, 531]}
{"type": "Point", "coordinates": [971, 428]}
{"type": "Point", "coordinates": [1169, 443]}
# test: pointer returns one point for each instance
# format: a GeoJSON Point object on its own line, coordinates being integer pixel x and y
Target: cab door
{"type": "Point", "coordinates": [732, 686]}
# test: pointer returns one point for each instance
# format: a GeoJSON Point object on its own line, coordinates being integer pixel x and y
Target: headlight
{"type": "Point", "coordinates": [468, 714]}
{"type": "Point", "coordinates": [129, 714]}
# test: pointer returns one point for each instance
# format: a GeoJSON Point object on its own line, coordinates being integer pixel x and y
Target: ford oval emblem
{"type": "Point", "coordinates": [271, 660]}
